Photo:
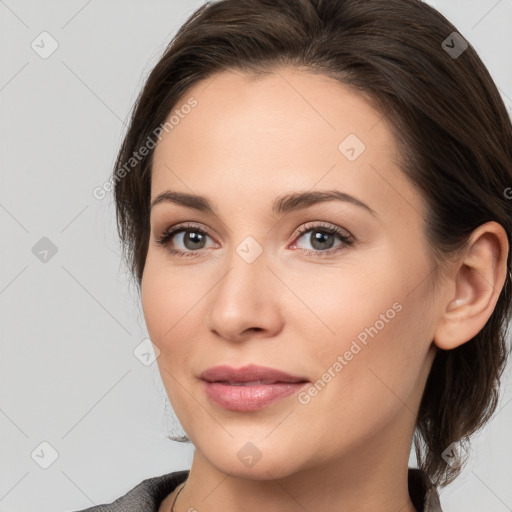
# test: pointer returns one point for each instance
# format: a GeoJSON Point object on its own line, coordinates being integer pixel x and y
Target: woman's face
{"type": "Point", "coordinates": [264, 281]}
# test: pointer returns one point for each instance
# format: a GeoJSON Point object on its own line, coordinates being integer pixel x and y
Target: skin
{"type": "Point", "coordinates": [245, 143]}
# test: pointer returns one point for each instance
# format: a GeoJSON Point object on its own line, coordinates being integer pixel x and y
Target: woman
{"type": "Point", "coordinates": [312, 198]}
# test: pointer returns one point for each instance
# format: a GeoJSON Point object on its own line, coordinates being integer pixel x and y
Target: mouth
{"type": "Point", "coordinates": [250, 388]}
{"type": "Point", "coordinates": [249, 396]}
{"type": "Point", "coordinates": [249, 375]}
{"type": "Point", "coordinates": [256, 382]}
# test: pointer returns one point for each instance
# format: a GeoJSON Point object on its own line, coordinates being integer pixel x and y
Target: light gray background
{"type": "Point", "coordinates": [68, 375]}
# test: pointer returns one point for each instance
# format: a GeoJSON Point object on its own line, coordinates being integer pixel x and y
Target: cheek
{"type": "Point", "coordinates": [340, 305]}
{"type": "Point", "coordinates": [377, 374]}
{"type": "Point", "coordinates": [169, 300]}
{"type": "Point", "coordinates": [376, 342]}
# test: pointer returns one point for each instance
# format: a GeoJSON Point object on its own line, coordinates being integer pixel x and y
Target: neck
{"type": "Point", "coordinates": [373, 476]}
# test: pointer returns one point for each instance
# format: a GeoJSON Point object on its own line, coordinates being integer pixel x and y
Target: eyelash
{"type": "Point", "coordinates": [166, 235]}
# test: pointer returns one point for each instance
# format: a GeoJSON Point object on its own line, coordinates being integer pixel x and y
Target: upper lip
{"type": "Point", "coordinates": [249, 373]}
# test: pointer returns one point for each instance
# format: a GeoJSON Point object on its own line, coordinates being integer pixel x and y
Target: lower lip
{"type": "Point", "coordinates": [249, 398]}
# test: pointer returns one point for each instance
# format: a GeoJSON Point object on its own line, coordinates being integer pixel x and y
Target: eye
{"type": "Point", "coordinates": [191, 236]}
{"type": "Point", "coordinates": [322, 238]}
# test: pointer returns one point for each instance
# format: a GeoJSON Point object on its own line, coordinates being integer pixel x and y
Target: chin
{"type": "Point", "coordinates": [242, 458]}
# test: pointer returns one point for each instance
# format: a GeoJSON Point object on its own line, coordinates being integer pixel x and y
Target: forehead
{"type": "Point", "coordinates": [250, 137]}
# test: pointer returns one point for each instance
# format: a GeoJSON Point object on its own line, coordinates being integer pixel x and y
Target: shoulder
{"type": "Point", "coordinates": [145, 496]}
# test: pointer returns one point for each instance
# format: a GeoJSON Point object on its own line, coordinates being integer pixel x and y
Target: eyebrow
{"type": "Point", "coordinates": [283, 204]}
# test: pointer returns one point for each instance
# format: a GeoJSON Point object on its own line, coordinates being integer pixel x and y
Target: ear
{"type": "Point", "coordinates": [478, 279]}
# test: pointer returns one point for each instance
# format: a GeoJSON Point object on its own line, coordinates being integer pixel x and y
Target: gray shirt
{"type": "Point", "coordinates": [149, 494]}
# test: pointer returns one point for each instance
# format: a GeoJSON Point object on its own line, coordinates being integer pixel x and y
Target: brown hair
{"type": "Point", "coordinates": [450, 123]}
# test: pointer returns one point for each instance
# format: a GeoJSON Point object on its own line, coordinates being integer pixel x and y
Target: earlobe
{"type": "Point", "coordinates": [478, 279]}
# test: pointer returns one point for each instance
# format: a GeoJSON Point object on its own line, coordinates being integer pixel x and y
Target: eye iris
{"type": "Point", "coordinates": [194, 237]}
{"type": "Point", "coordinates": [319, 237]}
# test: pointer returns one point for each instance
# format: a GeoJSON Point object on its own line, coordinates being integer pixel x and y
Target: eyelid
{"type": "Point", "coordinates": [319, 225]}
{"type": "Point", "coordinates": [170, 231]}
{"type": "Point", "coordinates": [347, 239]}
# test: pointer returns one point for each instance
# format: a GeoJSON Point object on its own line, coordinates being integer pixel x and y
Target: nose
{"type": "Point", "coordinates": [245, 301]}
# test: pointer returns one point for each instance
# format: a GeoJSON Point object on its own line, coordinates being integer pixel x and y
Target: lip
{"type": "Point", "coordinates": [248, 373]}
{"type": "Point", "coordinates": [236, 390]}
